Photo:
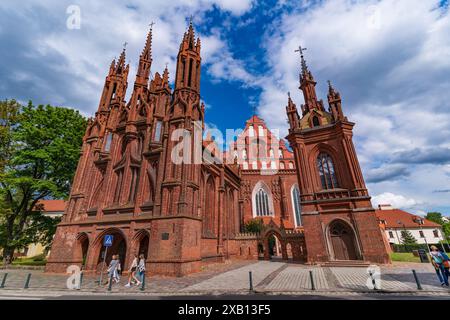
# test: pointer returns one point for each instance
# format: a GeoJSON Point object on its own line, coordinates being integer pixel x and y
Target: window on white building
{"type": "Point", "coordinates": [436, 233]}
{"type": "Point", "coordinates": [391, 235]}
{"type": "Point", "coordinates": [421, 234]}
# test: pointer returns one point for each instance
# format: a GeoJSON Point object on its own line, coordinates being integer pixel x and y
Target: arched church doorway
{"type": "Point", "coordinates": [342, 241]}
{"type": "Point", "coordinates": [274, 247]}
{"type": "Point", "coordinates": [83, 247]}
{"type": "Point", "coordinates": [289, 252]}
{"type": "Point", "coordinates": [143, 246]}
{"type": "Point", "coordinates": [119, 247]}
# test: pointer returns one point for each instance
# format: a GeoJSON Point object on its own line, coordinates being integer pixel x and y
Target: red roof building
{"type": "Point", "coordinates": [394, 221]}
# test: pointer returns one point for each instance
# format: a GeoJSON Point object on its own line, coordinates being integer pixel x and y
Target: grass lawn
{"type": "Point", "coordinates": [33, 261]}
{"type": "Point", "coordinates": [404, 257]}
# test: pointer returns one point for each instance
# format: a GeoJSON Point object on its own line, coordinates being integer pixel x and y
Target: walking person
{"type": "Point", "coordinates": [446, 263]}
{"type": "Point", "coordinates": [438, 260]}
{"type": "Point", "coordinates": [132, 272]}
{"type": "Point", "coordinates": [118, 271]}
{"type": "Point", "coordinates": [141, 268]}
{"type": "Point", "coordinates": [112, 268]}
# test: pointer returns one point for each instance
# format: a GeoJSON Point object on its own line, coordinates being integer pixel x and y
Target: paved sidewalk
{"type": "Point", "coordinates": [237, 280]}
{"type": "Point", "coordinates": [298, 279]}
{"type": "Point", "coordinates": [269, 277]}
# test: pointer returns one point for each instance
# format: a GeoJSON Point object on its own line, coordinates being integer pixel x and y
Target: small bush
{"type": "Point", "coordinates": [40, 257]}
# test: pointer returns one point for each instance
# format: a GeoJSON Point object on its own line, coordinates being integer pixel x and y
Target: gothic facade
{"type": "Point", "coordinates": [183, 214]}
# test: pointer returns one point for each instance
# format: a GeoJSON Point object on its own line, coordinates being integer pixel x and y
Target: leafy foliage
{"type": "Point", "coordinates": [438, 218]}
{"type": "Point", "coordinates": [40, 148]}
{"type": "Point", "coordinates": [435, 217]}
{"type": "Point", "coordinates": [254, 226]}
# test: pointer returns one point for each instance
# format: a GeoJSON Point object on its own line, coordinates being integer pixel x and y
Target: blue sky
{"type": "Point", "coordinates": [390, 59]}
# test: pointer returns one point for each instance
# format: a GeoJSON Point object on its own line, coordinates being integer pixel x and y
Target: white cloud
{"type": "Point", "coordinates": [81, 58]}
{"type": "Point", "coordinates": [220, 63]}
{"type": "Point", "coordinates": [390, 59]}
{"type": "Point", "coordinates": [397, 201]}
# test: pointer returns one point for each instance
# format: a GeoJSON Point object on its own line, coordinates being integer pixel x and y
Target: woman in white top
{"type": "Point", "coordinates": [132, 272]}
{"type": "Point", "coordinates": [141, 267]}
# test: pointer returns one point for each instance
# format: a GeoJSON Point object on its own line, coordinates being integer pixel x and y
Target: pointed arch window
{"type": "Point", "coordinates": [316, 122]}
{"type": "Point", "coordinates": [108, 142]}
{"type": "Point", "coordinates": [262, 203]}
{"type": "Point", "coordinates": [327, 172]}
{"type": "Point", "coordinates": [271, 154]}
{"type": "Point", "coordinates": [251, 131]}
{"type": "Point", "coordinates": [295, 194]}
{"type": "Point", "coordinates": [261, 131]}
{"type": "Point", "coordinates": [158, 129]}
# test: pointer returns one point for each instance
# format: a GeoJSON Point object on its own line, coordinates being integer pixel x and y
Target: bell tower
{"type": "Point", "coordinates": [177, 246]}
{"type": "Point", "coordinates": [337, 214]}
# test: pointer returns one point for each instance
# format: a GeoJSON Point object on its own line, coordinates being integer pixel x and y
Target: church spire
{"type": "Point", "coordinates": [188, 62]}
{"type": "Point", "coordinates": [335, 103]}
{"type": "Point", "coordinates": [116, 83]}
{"type": "Point", "coordinates": [120, 66]}
{"type": "Point", "coordinates": [308, 85]}
{"type": "Point", "coordinates": [292, 113]}
{"type": "Point", "coordinates": [145, 60]}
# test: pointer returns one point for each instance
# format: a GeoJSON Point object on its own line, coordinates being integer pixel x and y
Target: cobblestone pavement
{"type": "Point", "coordinates": [298, 279]}
{"type": "Point", "coordinates": [233, 278]}
{"type": "Point", "coordinates": [237, 280]}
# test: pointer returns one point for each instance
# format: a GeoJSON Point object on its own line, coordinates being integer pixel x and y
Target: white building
{"type": "Point", "coordinates": [394, 221]}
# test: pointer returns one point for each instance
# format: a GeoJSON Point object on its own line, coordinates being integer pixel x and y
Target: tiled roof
{"type": "Point", "coordinates": [394, 216]}
{"type": "Point", "coordinates": [51, 205]}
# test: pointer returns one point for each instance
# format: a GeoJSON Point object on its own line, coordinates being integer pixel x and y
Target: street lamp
{"type": "Point", "coordinates": [420, 222]}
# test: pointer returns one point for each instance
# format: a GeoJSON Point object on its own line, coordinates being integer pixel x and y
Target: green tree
{"type": "Point", "coordinates": [254, 226]}
{"type": "Point", "coordinates": [435, 217]}
{"type": "Point", "coordinates": [408, 238]}
{"type": "Point", "coordinates": [41, 155]}
{"type": "Point", "coordinates": [446, 229]}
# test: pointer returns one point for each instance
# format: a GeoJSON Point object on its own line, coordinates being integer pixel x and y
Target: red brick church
{"type": "Point", "coordinates": [313, 201]}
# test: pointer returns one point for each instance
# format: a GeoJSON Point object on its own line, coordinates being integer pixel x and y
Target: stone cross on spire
{"type": "Point", "coordinates": [302, 58]}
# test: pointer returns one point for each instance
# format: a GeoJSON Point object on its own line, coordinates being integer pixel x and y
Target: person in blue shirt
{"type": "Point", "coordinates": [439, 260]}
